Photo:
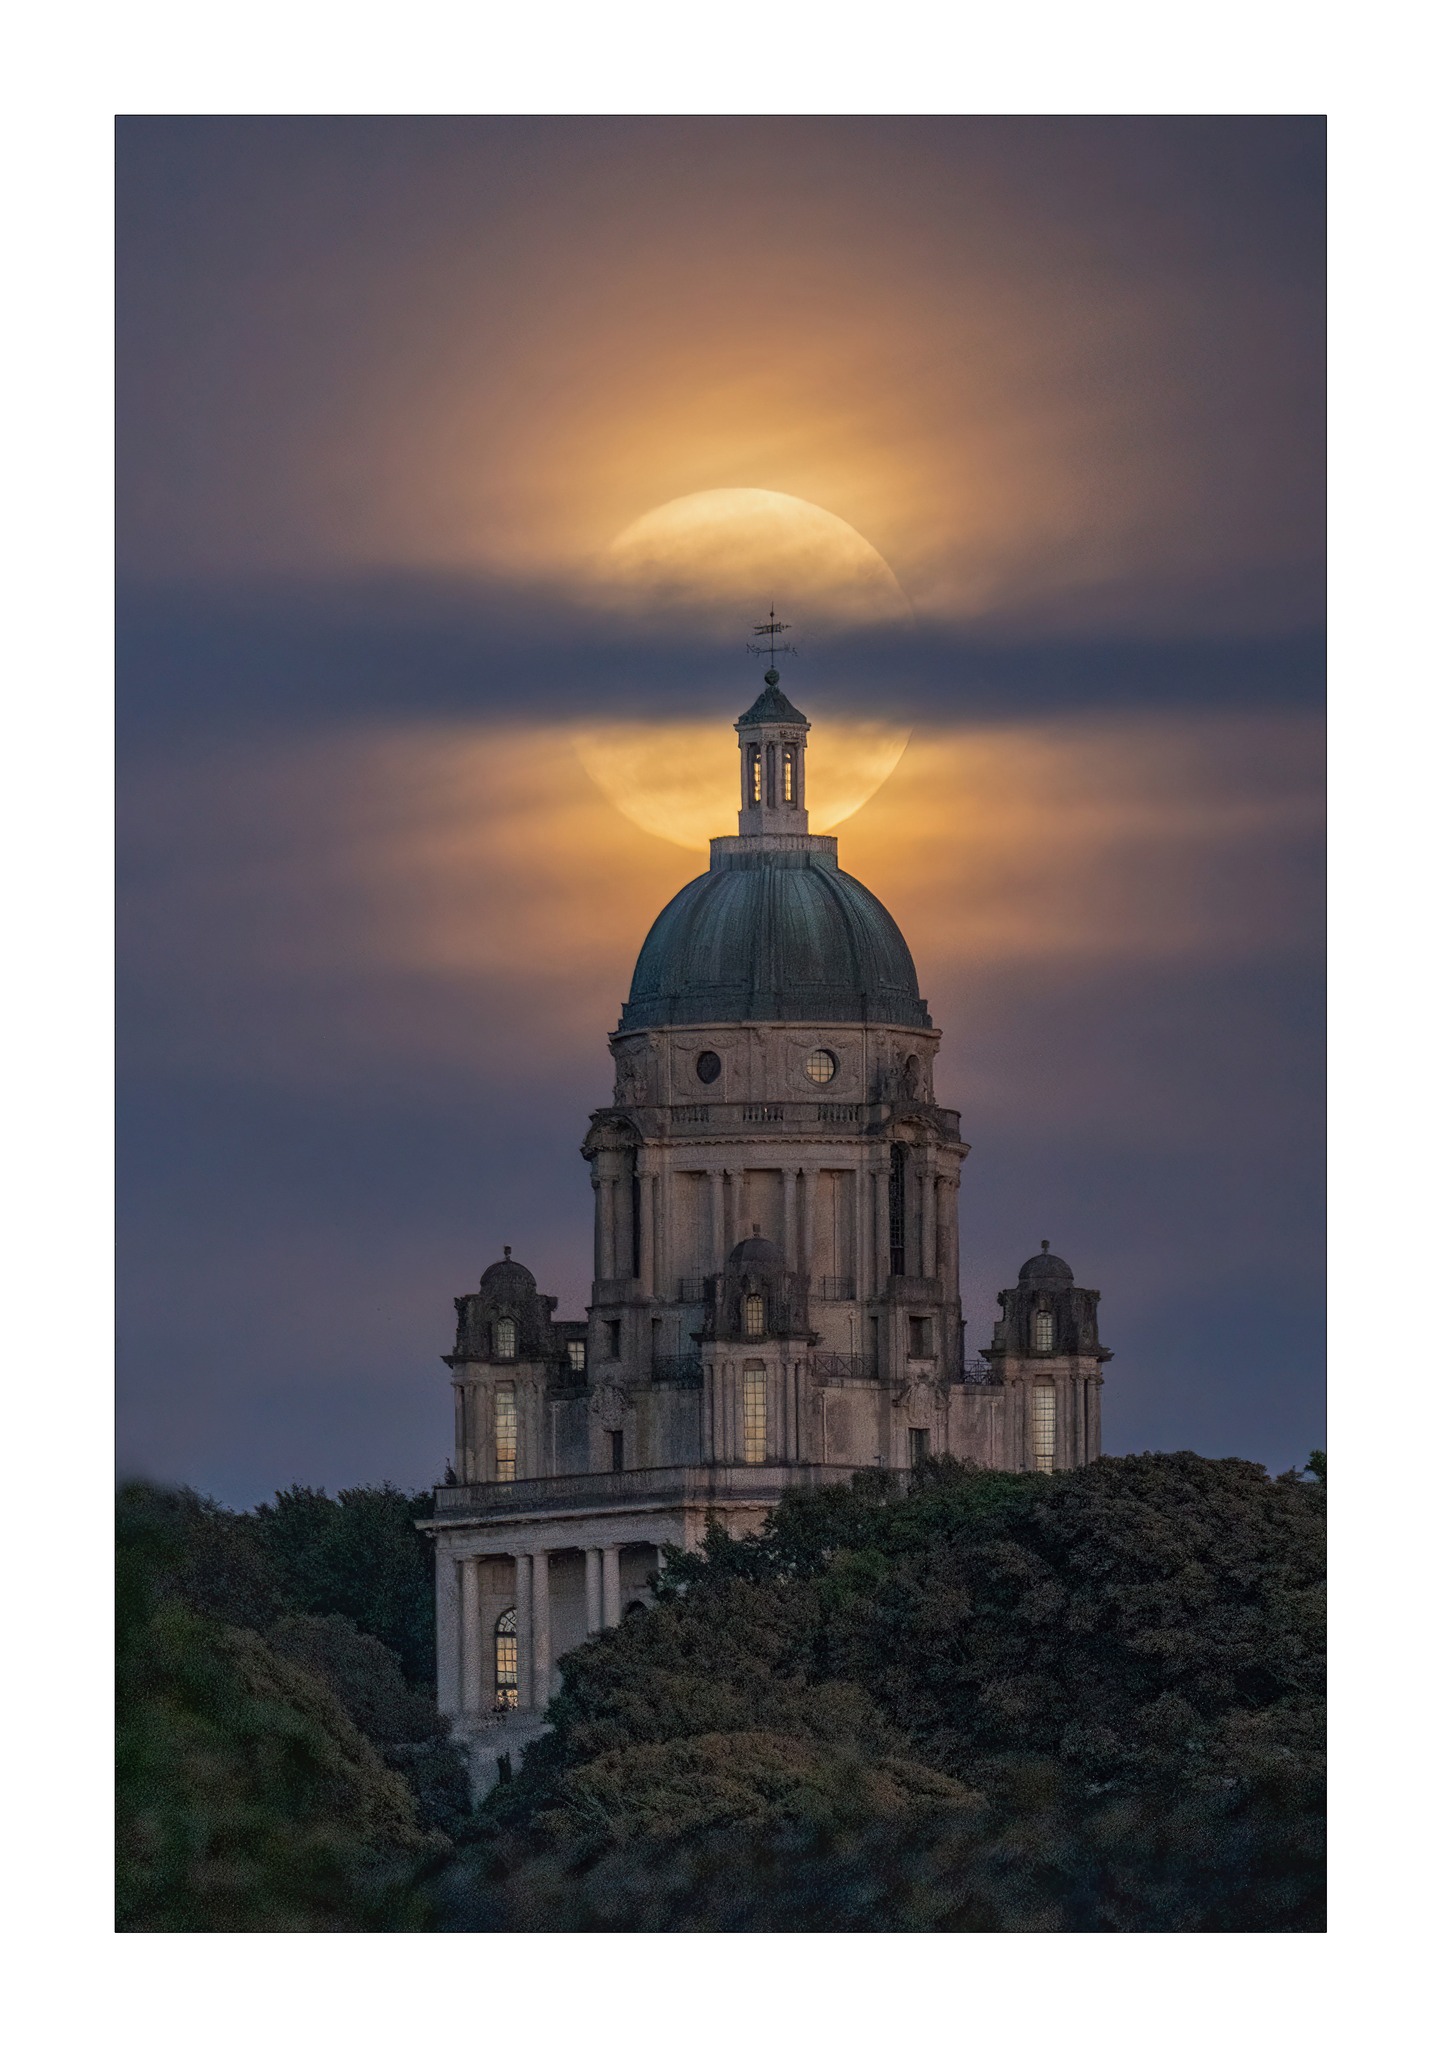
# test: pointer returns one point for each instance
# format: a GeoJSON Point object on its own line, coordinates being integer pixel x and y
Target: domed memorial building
{"type": "Point", "coordinates": [775, 1299]}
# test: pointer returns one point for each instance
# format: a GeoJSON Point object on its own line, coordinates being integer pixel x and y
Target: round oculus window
{"type": "Point", "coordinates": [820, 1066]}
{"type": "Point", "coordinates": [708, 1066]}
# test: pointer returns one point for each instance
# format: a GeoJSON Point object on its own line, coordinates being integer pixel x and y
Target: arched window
{"type": "Point", "coordinates": [505, 1338]}
{"type": "Point", "coordinates": [754, 776]}
{"type": "Point", "coordinates": [788, 775]}
{"type": "Point", "coordinates": [753, 1415]}
{"type": "Point", "coordinates": [1043, 1426]}
{"type": "Point", "coordinates": [635, 1607]}
{"type": "Point", "coordinates": [508, 1694]}
{"type": "Point", "coordinates": [1043, 1330]}
{"type": "Point", "coordinates": [753, 1320]}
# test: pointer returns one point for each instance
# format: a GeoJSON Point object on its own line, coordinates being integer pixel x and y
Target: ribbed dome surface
{"type": "Point", "coordinates": [774, 936]}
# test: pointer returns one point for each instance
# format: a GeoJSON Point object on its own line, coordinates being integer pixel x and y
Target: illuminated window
{"type": "Point", "coordinates": [788, 775]}
{"type": "Point", "coordinates": [820, 1066]}
{"type": "Point", "coordinates": [708, 1067]}
{"type": "Point", "coordinates": [508, 1693]}
{"type": "Point", "coordinates": [896, 1208]}
{"type": "Point", "coordinates": [576, 1352]}
{"type": "Point", "coordinates": [755, 777]}
{"type": "Point", "coordinates": [1043, 1330]}
{"type": "Point", "coordinates": [753, 1415]}
{"type": "Point", "coordinates": [753, 1321]}
{"type": "Point", "coordinates": [505, 1432]}
{"type": "Point", "coordinates": [1043, 1426]}
{"type": "Point", "coordinates": [505, 1338]}
{"type": "Point", "coordinates": [920, 1446]}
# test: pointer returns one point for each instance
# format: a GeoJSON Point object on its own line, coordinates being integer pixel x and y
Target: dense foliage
{"type": "Point", "coordinates": [274, 1768]}
{"type": "Point", "coordinates": [1091, 1701]}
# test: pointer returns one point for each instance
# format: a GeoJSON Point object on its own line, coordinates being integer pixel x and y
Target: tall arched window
{"type": "Point", "coordinates": [1043, 1330]}
{"type": "Point", "coordinates": [1043, 1426]}
{"type": "Point", "coordinates": [508, 1693]}
{"type": "Point", "coordinates": [505, 1432]}
{"type": "Point", "coordinates": [754, 777]}
{"type": "Point", "coordinates": [753, 1415]}
{"type": "Point", "coordinates": [753, 1321]}
{"type": "Point", "coordinates": [505, 1338]}
{"type": "Point", "coordinates": [788, 775]}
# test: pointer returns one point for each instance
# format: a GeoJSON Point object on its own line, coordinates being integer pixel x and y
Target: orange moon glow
{"type": "Point", "coordinates": [724, 554]}
{"type": "Point", "coordinates": [681, 780]}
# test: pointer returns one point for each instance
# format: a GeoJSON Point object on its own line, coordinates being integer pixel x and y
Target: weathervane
{"type": "Point", "coordinates": [770, 644]}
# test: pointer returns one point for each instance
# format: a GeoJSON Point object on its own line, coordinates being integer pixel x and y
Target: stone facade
{"type": "Point", "coordinates": [775, 1300]}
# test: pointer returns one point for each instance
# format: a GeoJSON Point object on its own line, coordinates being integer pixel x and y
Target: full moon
{"type": "Point", "coordinates": [721, 558]}
{"type": "Point", "coordinates": [726, 554]}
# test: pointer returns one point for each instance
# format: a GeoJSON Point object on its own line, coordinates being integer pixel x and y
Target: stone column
{"type": "Point", "coordinates": [946, 1238]}
{"type": "Point", "coordinates": [790, 1244]}
{"type": "Point", "coordinates": [719, 1247]}
{"type": "Point", "coordinates": [593, 1591]}
{"type": "Point", "coordinates": [808, 1219]}
{"type": "Point", "coordinates": [471, 1681]}
{"type": "Point", "coordinates": [645, 1191]}
{"type": "Point", "coordinates": [610, 1585]}
{"type": "Point", "coordinates": [928, 1221]}
{"type": "Point", "coordinates": [541, 1628]}
{"type": "Point", "coordinates": [732, 1202]}
{"type": "Point", "coordinates": [524, 1634]}
{"type": "Point", "coordinates": [448, 1633]}
{"type": "Point", "coordinates": [881, 1207]}
{"type": "Point", "coordinates": [606, 1225]}
{"type": "Point", "coordinates": [863, 1217]}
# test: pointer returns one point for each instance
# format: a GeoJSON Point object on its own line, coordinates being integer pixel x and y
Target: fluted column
{"type": "Point", "coordinates": [470, 1635]}
{"type": "Point", "coordinates": [448, 1633]}
{"type": "Point", "coordinates": [525, 1639]}
{"type": "Point", "coordinates": [593, 1591]}
{"type": "Point", "coordinates": [541, 1627]}
{"type": "Point", "coordinates": [610, 1585]}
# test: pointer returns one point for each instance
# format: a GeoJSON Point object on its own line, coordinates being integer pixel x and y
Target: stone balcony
{"type": "Point", "coordinates": [660, 1486]}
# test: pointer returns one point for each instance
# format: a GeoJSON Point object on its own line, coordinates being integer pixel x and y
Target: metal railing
{"type": "Point", "coordinates": [679, 1369]}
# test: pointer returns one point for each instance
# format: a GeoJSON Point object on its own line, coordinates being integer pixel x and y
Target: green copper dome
{"type": "Point", "coordinates": [774, 936]}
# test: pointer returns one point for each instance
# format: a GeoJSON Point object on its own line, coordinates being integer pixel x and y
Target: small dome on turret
{"type": "Point", "coordinates": [756, 1252]}
{"type": "Point", "coordinates": [508, 1277]}
{"type": "Point", "coordinates": [1045, 1267]}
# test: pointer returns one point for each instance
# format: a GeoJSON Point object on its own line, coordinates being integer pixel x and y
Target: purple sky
{"type": "Point", "coordinates": [386, 390]}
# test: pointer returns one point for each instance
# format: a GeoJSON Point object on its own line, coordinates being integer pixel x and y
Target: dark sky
{"type": "Point", "coordinates": [387, 390]}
